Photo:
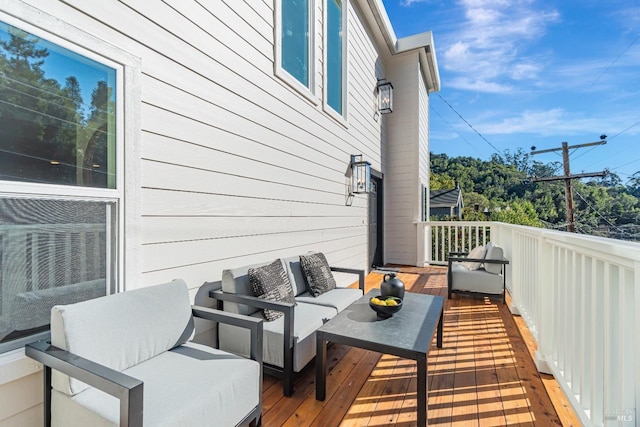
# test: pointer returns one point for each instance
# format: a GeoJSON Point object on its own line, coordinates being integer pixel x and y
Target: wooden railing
{"type": "Point", "coordinates": [580, 297]}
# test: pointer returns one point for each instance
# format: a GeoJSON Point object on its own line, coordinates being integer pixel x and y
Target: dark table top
{"type": "Point", "coordinates": [411, 329]}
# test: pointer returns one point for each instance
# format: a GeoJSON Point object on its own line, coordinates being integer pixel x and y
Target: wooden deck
{"type": "Point", "coordinates": [483, 376]}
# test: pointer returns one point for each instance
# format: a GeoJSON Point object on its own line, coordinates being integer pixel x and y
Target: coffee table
{"type": "Point", "coordinates": [407, 334]}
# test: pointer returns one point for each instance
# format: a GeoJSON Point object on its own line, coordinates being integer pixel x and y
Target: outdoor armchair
{"type": "Point", "coordinates": [125, 360]}
{"type": "Point", "coordinates": [483, 275]}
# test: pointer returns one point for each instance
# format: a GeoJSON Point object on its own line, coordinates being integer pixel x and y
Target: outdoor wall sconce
{"type": "Point", "coordinates": [360, 175]}
{"type": "Point", "coordinates": [385, 97]}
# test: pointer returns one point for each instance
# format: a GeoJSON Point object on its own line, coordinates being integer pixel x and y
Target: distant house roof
{"type": "Point", "coordinates": [445, 198]}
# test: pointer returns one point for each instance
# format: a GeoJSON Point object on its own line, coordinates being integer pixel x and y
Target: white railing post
{"type": "Point", "coordinates": [544, 313]}
{"type": "Point", "coordinates": [516, 266]}
{"type": "Point", "coordinates": [421, 259]}
{"type": "Point", "coordinates": [428, 250]}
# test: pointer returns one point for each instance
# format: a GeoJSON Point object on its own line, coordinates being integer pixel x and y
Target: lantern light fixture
{"type": "Point", "coordinates": [385, 96]}
{"type": "Point", "coordinates": [360, 175]}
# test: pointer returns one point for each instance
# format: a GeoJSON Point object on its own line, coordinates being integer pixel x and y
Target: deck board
{"type": "Point", "coordinates": [483, 376]}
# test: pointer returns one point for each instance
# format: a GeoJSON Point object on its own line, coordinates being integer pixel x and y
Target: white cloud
{"type": "Point", "coordinates": [551, 122]}
{"type": "Point", "coordinates": [525, 71]}
{"type": "Point", "coordinates": [410, 2]}
{"type": "Point", "coordinates": [491, 43]}
{"type": "Point", "coordinates": [479, 85]}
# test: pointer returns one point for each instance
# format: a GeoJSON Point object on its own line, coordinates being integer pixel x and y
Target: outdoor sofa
{"type": "Point", "coordinates": [289, 340]}
{"type": "Point", "coordinates": [126, 360]}
{"type": "Point", "coordinates": [479, 272]}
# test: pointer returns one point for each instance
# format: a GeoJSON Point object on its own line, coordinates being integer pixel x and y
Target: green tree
{"type": "Point", "coordinates": [507, 181]}
{"type": "Point", "coordinates": [441, 181]}
{"type": "Point", "coordinates": [518, 212]}
{"type": "Point", "coordinates": [41, 121]}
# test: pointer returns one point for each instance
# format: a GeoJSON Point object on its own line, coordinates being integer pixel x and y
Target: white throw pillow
{"type": "Point", "coordinates": [477, 253]}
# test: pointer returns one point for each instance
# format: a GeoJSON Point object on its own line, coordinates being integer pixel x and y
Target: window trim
{"type": "Point", "coordinates": [282, 73]}
{"type": "Point", "coordinates": [340, 117]}
{"type": "Point", "coordinates": [128, 138]}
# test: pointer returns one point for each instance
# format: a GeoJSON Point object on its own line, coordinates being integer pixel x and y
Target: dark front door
{"type": "Point", "coordinates": [375, 222]}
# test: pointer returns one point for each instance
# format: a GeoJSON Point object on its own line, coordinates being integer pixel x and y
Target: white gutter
{"type": "Point", "coordinates": [422, 42]}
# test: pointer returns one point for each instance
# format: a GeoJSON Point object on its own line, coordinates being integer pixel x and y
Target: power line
{"type": "Point", "coordinates": [453, 129]}
{"type": "Point", "coordinates": [470, 125]}
{"type": "Point", "coordinates": [596, 211]}
{"type": "Point", "coordinates": [603, 73]}
{"type": "Point", "coordinates": [613, 137]}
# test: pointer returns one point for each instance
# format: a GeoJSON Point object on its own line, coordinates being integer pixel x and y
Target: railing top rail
{"type": "Point", "coordinates": [614, 250]}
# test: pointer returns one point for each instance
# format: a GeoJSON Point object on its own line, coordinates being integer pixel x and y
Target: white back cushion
{"type": "Point", "coordinates": [478, 253]}
{"type": "Point", "coordinates": [494, 252]}
{"type": "Point", "coordinates": [236, 281]}
{"type": "Point", "coordinates": [122, 330]}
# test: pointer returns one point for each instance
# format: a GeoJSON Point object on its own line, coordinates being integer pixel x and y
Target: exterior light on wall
{"type": "Point", "coordinates": [385, 97]}
{"type": "Point", "coordinates": [360, 175]}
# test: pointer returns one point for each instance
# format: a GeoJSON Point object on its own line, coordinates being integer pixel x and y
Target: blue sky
{"type": "Point", "coordinates": [525, 73]}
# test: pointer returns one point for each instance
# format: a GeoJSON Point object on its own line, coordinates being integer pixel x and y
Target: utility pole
{"type": "Point", "coordinates": [568, 189]}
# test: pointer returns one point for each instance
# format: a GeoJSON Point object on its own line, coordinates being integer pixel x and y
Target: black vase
{"type": "Point", "coordinates": [392, 286]}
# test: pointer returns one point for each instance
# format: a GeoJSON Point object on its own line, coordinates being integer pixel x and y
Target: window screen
{"type": "Point", "coordinates": [51, 252]}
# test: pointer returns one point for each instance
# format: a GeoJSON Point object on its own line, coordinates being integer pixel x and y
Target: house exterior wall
{"type": "Point", "coordinates": [423, 144]}
{"type": "Point", "coordinates": [404, 150]}
{"type": "Point", "coordinates": [233, 166]}
{"type": "Point", "coordinates": [236, 167]}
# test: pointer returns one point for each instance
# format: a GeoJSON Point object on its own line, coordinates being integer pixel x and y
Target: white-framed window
{"type": "Point", "coordinates": [335, 58]}
{"type": "Point", "coordinates": [294, 44]}
{"type": "Point", "coordinates": [62, 157]}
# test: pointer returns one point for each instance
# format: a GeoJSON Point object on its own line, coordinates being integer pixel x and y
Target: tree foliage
{"type": "Point", "coordinates": [503, 184]}
{"type": "Point", "coordinates": [43, 129]}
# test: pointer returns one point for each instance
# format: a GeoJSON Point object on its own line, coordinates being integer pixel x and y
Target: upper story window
{"type": "Point", "coordinates": [60, 205]}
{"type": "Point", "coordinates": [335, 55]}
{"type": "Point", "coordinates": [294, 43]}
{"type": "Point", "coordinates": [57, 113]}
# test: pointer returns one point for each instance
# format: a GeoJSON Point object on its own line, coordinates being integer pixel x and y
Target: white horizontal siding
{"type": "Point", "coordinates": [159, 229]}
{"type": "Point", "coordinates": [362, 81]}
{"type": "Point", "coordinates": [402, 195]}
{"type": "Point", "coordinates": [236, 166]}
{"type": "Point", "coordinates": [423, 132]}
{"type": "Point", "coordinates": [21, 401]}
{"type": "Point", "coordinates": [423, 144]}
{"type": "Point", "coordinates": [226, 141]}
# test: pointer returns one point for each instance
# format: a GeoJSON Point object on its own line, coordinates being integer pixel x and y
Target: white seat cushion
{"type": "Point", "coordinates": [464, 279]}
{"type": "Point", "coordinates": [191, 385]}
{"type": "Point", "coordinates": [307, 318]}
{"type": "Point", "coordinates": [338, 298]}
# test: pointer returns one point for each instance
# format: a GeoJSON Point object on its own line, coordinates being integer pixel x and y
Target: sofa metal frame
{"type": "Point", "coordinates": [460, 257]}
{"type": "Point", "coordinates": [127, 389]}
{"type": "Point", "coordinates": [286, 372]}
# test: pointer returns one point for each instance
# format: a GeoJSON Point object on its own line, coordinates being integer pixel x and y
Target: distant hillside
{"type": "Point", "coordinates": [603, 206]}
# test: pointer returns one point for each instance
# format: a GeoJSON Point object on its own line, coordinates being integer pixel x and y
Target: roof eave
{"type": "Point", "coordinates": [422, 42]}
